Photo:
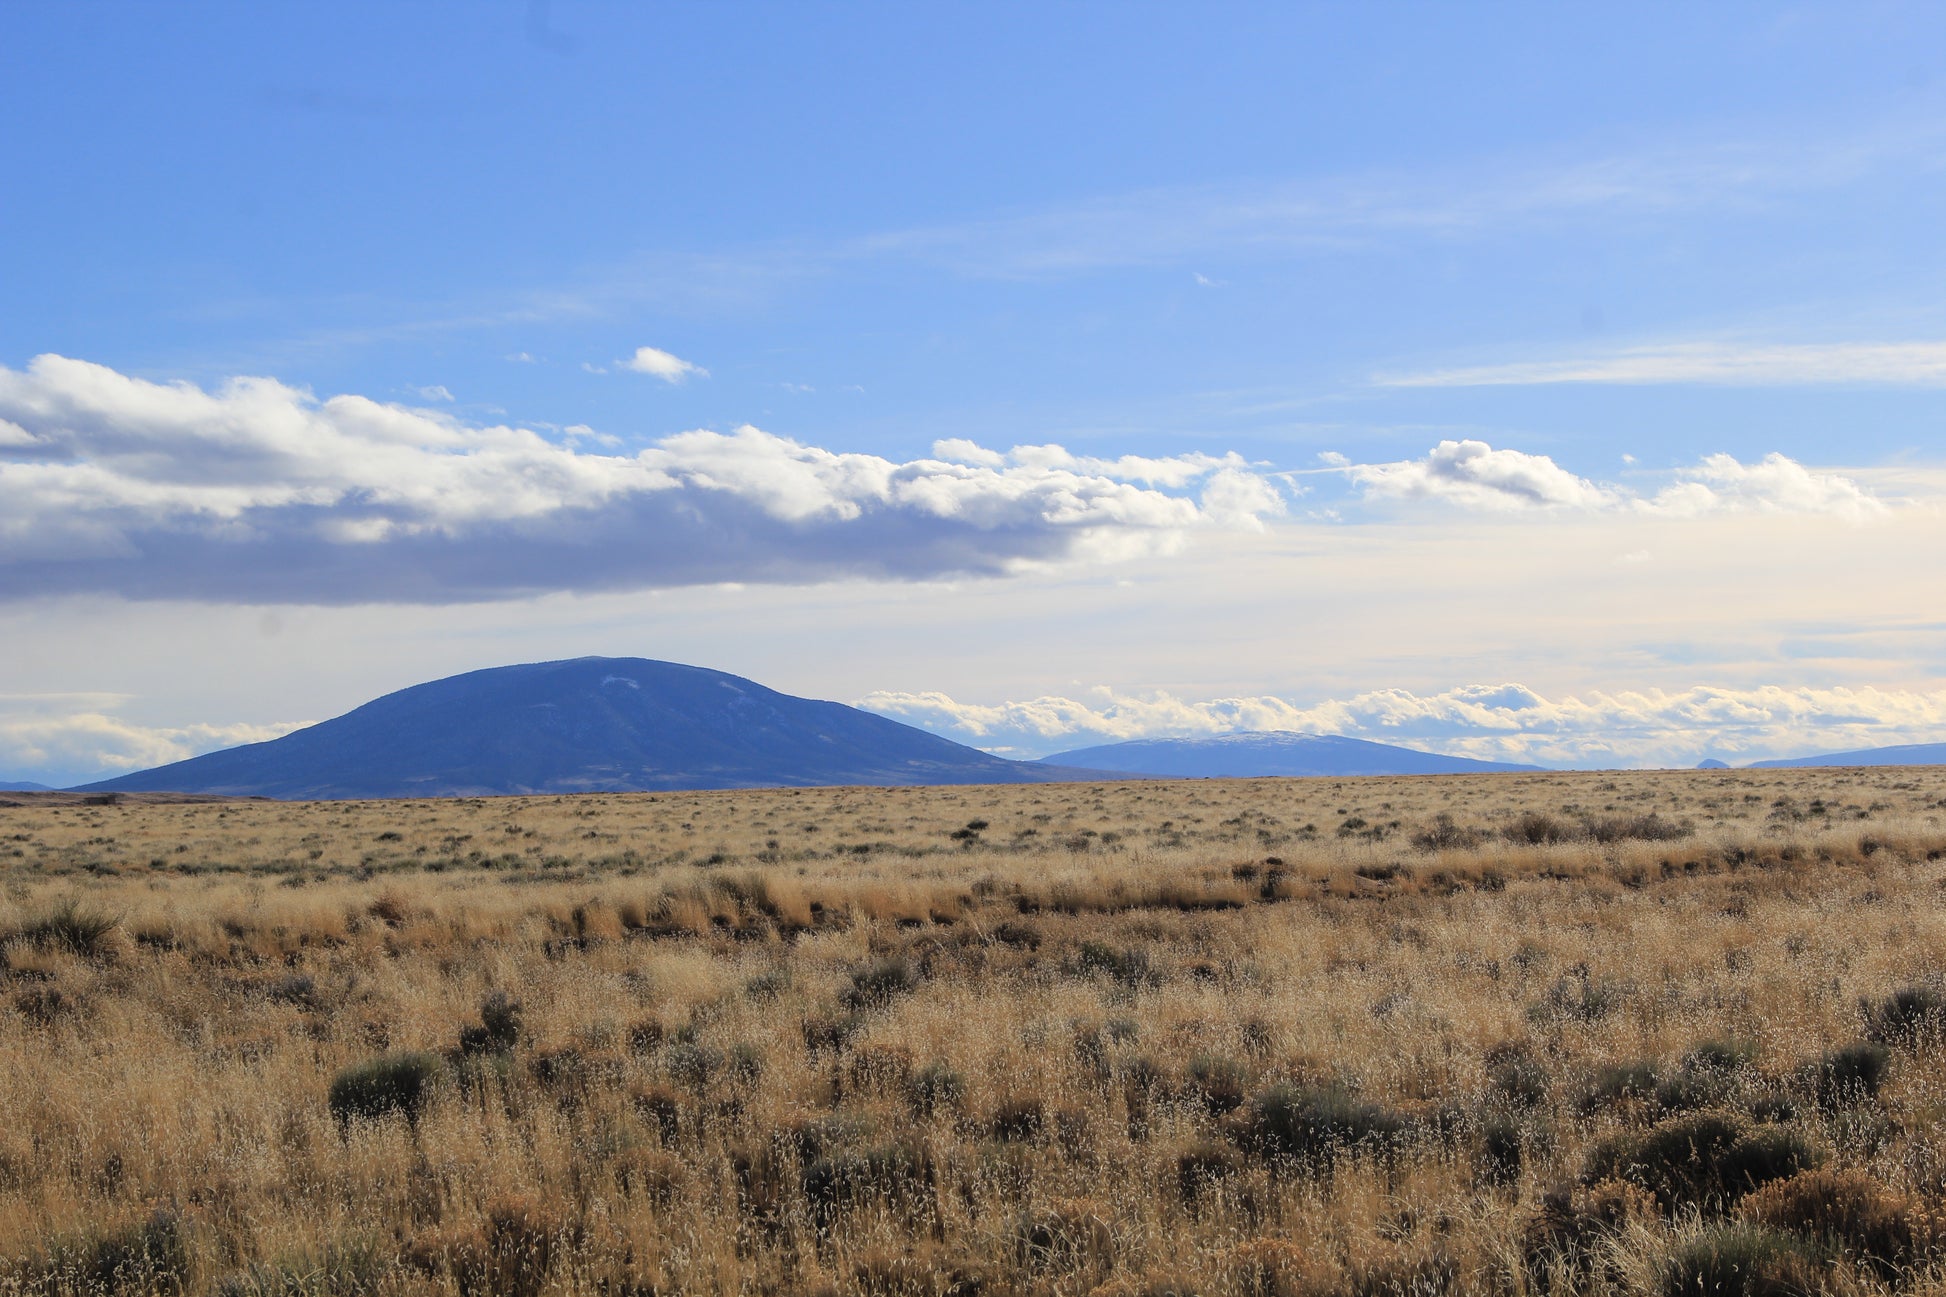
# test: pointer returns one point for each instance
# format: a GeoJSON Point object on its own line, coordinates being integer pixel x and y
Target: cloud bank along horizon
{"type": "Point", "coordinates": [253, 491]}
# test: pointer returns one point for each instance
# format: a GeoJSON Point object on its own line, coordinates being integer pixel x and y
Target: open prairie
{"type": "Point", "coordinates": [1641, 1032]}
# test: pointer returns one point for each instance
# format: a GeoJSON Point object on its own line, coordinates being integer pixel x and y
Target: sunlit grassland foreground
{"type": "Point", "coordinates": [1660, 1032]}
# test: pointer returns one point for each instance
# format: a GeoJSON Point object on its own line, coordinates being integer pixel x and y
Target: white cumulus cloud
{"type": "Point", "coordinates": [257, 491]}
{"type": "Point", "coordinates": [1474, 475]}
{"type": "Point", "coordinates": [660, 364]}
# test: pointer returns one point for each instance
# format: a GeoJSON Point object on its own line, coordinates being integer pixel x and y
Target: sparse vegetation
{"type": "Point", "coordinates": [1656, 1033]}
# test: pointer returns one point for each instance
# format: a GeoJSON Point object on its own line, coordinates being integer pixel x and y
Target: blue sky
{"type": "Point", "coordinates": [1397, 358]}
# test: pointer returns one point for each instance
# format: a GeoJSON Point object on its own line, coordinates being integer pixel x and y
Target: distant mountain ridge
{"type": "Point", "coordinates": [1271, 752]}
{"type": "Point", "coordinates": [23, 786]}
{"type": "Point", "coordinates": [585, 725]}
{"type": "Point", "coordinates": [1900, 754]}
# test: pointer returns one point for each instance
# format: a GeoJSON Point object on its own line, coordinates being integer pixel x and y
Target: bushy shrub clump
{"type": "Point", "coordinates": [400, 1083]}
{"type": "Point", "coordinates": [1906, 1017]}
{"type": "Point", "coordinates": [1847, 1211]}
{"type": "Point", "coordinates": [1741, 1260]}
{"type": "Point", "coordinates": [71, 925]}
{"type": "Point", "coordinates": [498, 1030]}
{"type": "Point", "coordinates": [148, 1255]}
{"type": "Point", "coordinates": [879, 984]}
{"type": "Point", "coordinates": [1317, 1123]}
{"type": "Point", "coordinates": [1848, 1075]}
{"type": "Point", "coordinates": [1706, 1160]}
{"type": "Point", "coordinates": [1129, 967]}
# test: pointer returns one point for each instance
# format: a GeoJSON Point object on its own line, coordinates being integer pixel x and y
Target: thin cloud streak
{"type": "Point", "coordinates": [1911, 364]}
{"type": "Point", "coordinates": [1487, 198]}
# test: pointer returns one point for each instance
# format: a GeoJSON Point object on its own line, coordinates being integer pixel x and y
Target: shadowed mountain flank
{"type": "Point", "coordinates": [585, 725]}
{"type": "Point", "coordinates": [1903, 754]}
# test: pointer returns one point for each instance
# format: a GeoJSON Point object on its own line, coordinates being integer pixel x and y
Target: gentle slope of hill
{"type": "Point", "coordinates": [1904, 754]}
{"type": "Point", "coordinates": [585, 725]}
{"type": "Point", "coordinates": [21, 786]}
{"type": "Point", "coordinates": [1274, 752]}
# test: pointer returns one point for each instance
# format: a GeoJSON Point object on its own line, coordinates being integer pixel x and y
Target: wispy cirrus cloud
{"type": "Point", "coordinates": [1913, 364]}
{"type": "Point", "coordinates": [1505, 722]}
{"type": "Point", "coordinates": [257, 491]}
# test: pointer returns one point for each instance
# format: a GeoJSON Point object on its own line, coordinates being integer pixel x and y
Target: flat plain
{"type": "Point", "coordinates": [1620, 1032]}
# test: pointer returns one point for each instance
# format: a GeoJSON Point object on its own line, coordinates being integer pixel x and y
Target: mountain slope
{"type": "Point", "coordinates": [585, 725]}
{"type": "Point", "coordinates": [21, 786]}
{"type": "Point", "coordinates": [1274, 752]}
{"type": "Point", "coordinates": [1903, 754]}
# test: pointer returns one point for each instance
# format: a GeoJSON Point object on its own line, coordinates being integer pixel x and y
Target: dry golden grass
{"type": "Point", "coordinates": [1510, 1034]}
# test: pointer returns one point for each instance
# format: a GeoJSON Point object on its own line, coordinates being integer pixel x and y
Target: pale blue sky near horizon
{"type": "Point", "coordinates": [1288, 250]}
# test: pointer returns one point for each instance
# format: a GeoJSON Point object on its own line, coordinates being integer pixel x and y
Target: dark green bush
{"type": "Point", "coordinates": [1129, 967]}
{"type": "Point", "coordinates": [693, 1065]}
{"type": "Point", "coordinates": [1017, 1119]}
{"type": "Point", "coordinates": [1905, 1017]}
{"type": "Point", "coordinates": [1719, 1056]}
{"type": "Point", "coordinates": [498, 1030]}
{"type": "Point", "coordinates": [1741, 1260]}
{"type": "Point", "coordinates": [399, 1083]}
{"type": "Point", "coordinates": [879, 983]}
{"type": "Point", "coordinates": [936, 1089]}
{"type": "Point", "coordinates": [73, 926]}
{"type": "Point", "coordinates": [1534, 829]}
{"type": "Point", "coordinates": [1317, 1123]}
{"type": "Point", "coordinates": [1690, 1089]}
{"type": "Point", "coordinates": [1502, 1149]}
{"type": "Point", "coordinates": [1615, 1083]}
{"type": "Point", "coordinates": [1445, 835]}
{"type": "Point", "coordinates": [1517, 1076]}
{"type": "Point", "coordinates": [1848, 1076]}
{"type": "Point", "coordinates": [146, 1256]}
{"type": "Point", "coordinates": [1203, 1168]}
{"type": "Point", "coordinates": [358, 1269]}
{"type": "Point", "coordinates": [1707, 1160]}
{"type": "Point", "coordinates": [897, 1175]}
{"type": "Point", "coordinates": [1640, 828]}
{"type": "Point", "coordinates": [1216, 1083]}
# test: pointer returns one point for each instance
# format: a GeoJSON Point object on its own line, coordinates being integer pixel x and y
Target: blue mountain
{"type": "Point", "coordinates": [585, 725]}
{"type": "Point", "coordinates": [1903, 754]}
{"type": "Point", "coordinates": [1271, 752]}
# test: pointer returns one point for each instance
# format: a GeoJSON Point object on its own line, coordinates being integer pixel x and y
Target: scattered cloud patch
{"type": "Point", "coordinates": [1477, 476]}
{"type": "Point", "coordinates": [1496, 722]}
{"type": "Point", "coordinates": [1921, 364]}
{"type": "Point", "coordinates": [436, 392]}
{"type": "Point", "coordinates": [658, 363]}
{"type": "Point", "coordinates": [1473, 475]}
{"type": "Point", "coordinates": [71, 738]}
{"type": "Point", "coordinates": [260, 492]}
